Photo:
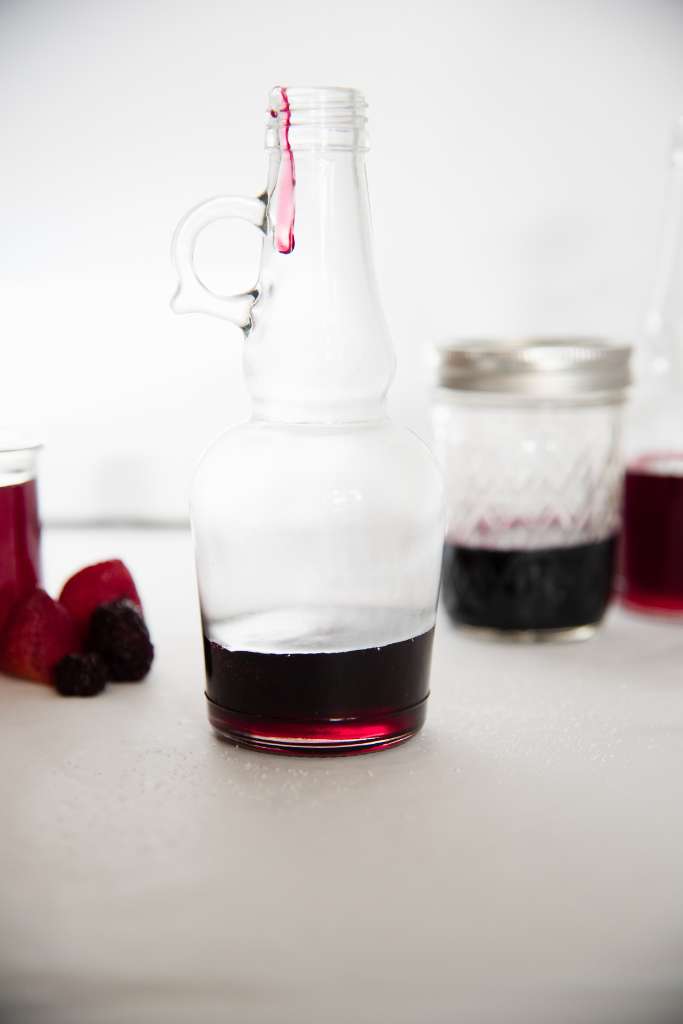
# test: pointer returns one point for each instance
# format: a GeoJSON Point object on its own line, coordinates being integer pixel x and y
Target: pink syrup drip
{"type": "Point", "coordinates": [284, 221]}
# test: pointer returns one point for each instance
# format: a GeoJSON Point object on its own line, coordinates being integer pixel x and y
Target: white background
{"type": "Point", "coordinates": [517, 178]}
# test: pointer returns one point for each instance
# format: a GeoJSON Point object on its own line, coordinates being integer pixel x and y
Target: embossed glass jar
{"type": "Point", "coordinates": [529, 438]}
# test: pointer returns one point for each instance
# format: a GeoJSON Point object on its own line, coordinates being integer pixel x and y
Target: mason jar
{"type": "Point", "coordinates": [529, 438]}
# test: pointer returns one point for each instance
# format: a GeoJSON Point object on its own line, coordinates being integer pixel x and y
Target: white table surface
{"type": "Point", "coordinates": [520, 860]}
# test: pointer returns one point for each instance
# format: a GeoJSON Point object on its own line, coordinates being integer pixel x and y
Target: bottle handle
{"type": "Point", "coordinates": [192, 295]}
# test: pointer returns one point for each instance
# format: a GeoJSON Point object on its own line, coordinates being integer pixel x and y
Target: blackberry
{"type": "Point", "coordinates": [80, 675]}
{"type": "Point", "coordinates": [117, 632]}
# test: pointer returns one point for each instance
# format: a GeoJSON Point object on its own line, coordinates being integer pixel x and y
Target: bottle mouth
{"type": "Point", "coordinates": [312, 117]}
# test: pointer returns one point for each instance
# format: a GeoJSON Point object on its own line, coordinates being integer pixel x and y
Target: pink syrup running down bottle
{"type": "Point", "coordinates": [317, 524]}
{"type": "Point", "coordinates": [651, 562]}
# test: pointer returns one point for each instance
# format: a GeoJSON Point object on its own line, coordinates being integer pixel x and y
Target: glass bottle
{"type": "Point", "coordinates": [651, 564]}
{"type": "Point", "coordinates": [20, 564]}
{"type": "Point", "coordinates": [318, 524]}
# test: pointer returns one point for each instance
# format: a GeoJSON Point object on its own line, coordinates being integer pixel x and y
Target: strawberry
{"type": "Point", "coordinates": [95, 585]}
{"type": "Point", "coordinates": [38, 635]}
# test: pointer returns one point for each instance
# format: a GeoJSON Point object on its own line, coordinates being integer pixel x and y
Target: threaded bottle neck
{"type": "Point", "coordinates": [313, 117]}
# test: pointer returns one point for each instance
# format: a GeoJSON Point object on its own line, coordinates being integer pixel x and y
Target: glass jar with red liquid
{"type": "Point", "coordinates": [651, 562]}
{"type": "Point", "coordinates": [528, 434]}
{"type": "Point", "coordinates": [20, 567]}
{"type": "Point", "coordinates": [318, 524]}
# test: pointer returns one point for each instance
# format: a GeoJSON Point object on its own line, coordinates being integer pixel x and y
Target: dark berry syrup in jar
{"type": "Point", "coordinates": [319, 702]}
{"type": "Point", "coordinates": [19, 544]}
{"type": "Point", "coordinates": [550, 590]}
{"type": "Point", "coordinates": [651, 562]}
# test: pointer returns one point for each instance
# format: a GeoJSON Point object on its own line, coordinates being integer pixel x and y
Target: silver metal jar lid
{"type": "Point", "coordinates": [536, 368]}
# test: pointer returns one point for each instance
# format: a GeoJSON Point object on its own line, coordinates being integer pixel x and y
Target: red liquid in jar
{"type": "Point", "coordinates": [651, 569]}
{"type": "Point", "coordinates": [19, 544]}
{"type": "Point", "coordinates": [318, 703]}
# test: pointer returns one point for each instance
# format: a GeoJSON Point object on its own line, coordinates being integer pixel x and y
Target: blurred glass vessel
{"type": "Point", "coordinates": [20, 564]}
{"type": "Point", "coordinates": [528, 435]}
{"type": "Point", "coordinates": [651, 563]}
{"type": "Point", "coordinates": [318, 524]}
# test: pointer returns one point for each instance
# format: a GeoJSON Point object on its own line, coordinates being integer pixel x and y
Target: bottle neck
{"type": "Point", "coordinates": [663, 350]}
{"type": "Point", "coordinates": [327, 216]}
{"type": "Point", "coordinates": [319, 350]}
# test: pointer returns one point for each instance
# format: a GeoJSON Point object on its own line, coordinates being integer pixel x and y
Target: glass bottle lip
{"type": "Point", "coordinates": [12, 441]}
{"type": "Point", "coordinates": [18, 457]}
{"type": "Point", "coordinates": [313, 117]}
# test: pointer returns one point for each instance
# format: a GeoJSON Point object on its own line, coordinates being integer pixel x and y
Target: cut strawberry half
{"type": "Point", "coordinates": [95, 585]}
{"type": "Point", "coordinates": [39, 633]}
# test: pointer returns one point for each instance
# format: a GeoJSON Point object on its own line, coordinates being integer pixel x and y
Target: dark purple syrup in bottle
{"type": "Point", "coordinates": [318, 703]}
{"type": "Point", "coordinates": [651, 564]}
{"type": "Point", "coordinates": [559, 588]}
